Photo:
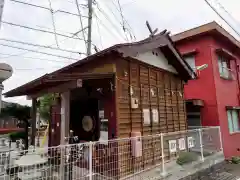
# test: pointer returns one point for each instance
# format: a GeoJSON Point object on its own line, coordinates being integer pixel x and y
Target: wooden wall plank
{"type": "Point", "coordinates": [170, 105]}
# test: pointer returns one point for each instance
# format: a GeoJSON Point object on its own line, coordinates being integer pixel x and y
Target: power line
{"type": "Point", "coordinates": [100, 37]}
{"type": "Point", "coordinates": [53, 22]}
{"type": "Point", "coordinates": [30, 50]}
{"type": "Point", "coordinates": [40, 30]}
{"type": "Point", "coordinates": [42, 7]}
{"type": "Point", "coordinates": [115, 16]}
{"type": "Point", "coordinates": [81, 23]}
{"type": "Point", "coordinates": [48, 28]}
{"type": "Point", "coordinates": [225, 10]}
{"type": "Point", "coordinates": [29, 4]}
{"type": "Point", "coordinates": [107, 18]}
{"type": "Point", "coordinates": [105, 26]}
{"type": "Point", "coordinates": [38, 45]}
{"type": "Point", "coordinates": [38, 48]}
{"type": "Point", "coordinates": [36, 58]}
{"type": "Point", "coordinates": [124, 20]}
{"type": "Point", "coordinates": [222, 17]}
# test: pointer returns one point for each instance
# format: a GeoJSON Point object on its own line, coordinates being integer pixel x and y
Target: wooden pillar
{"type": "Point", "coordinates": [65, 114]}
{"type": "Point", "coordinates": [33, 120]}
{"type": "Point", "coordinates": [65, 107]}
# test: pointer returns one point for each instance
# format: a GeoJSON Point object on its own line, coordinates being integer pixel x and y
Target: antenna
{"type": "Point", "coordinates": [152, 33]}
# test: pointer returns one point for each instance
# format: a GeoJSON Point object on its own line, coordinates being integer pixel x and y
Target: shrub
{"type": "Point", "coordinates": [186, 157]}
{"type": "Point", "coordinates": [205, 153]}
{"type": "Point", "coordinates": [236, 160]}
{"type": "Point", "coordinates": [17, 135]}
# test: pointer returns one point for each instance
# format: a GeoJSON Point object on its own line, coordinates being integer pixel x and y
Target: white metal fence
{"type": "Point", "coordinates": [130, 158]}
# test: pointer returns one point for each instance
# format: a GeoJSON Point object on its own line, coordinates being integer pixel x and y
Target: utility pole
{"type": "Point", "coordinates": [1, 10]}
{"type": "Point", "coordinates": [89, 40]}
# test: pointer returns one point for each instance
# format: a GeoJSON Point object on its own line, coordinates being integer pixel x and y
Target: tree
{"type": "Point", "coordinates": [44, 106]}
{"type": "Point", "coordinates": [17, 111]}
{"type": "Point", "coordinates": [22, 113]}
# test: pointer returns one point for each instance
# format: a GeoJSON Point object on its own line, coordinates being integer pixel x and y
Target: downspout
{"type": "Point", "coordinates": [237, 70]}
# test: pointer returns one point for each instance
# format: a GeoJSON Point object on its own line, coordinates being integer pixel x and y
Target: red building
{"type": "Point", "coordinates": [213, 98]}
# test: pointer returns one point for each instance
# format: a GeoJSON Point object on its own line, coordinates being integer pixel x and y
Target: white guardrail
{"type": "Point", "coordinates": [129, 158]}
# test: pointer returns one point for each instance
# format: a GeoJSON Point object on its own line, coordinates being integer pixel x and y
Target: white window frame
{"type": "Point", "coordinates": [191, 60]}
{"type": "Point", "coordinates": [233, 120]}
{"type": "Point", "coordinates": [224, 67]}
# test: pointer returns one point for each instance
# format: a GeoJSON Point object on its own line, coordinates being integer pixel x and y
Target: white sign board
{"type": "Point", "coordinates": [101, 114]}
{"type": "Point", "coordinates": [190, 142]}
{"type": "Point", "coordinates": [79, 83]}
{"type": "Point", "coordinates": [181, 144]}
{"type": "Point", "coordinates": [155, 115]}
{"type": "Point", "coordinates": [172, 146]}
{"type": "Point", "coordinates": [146, 116]}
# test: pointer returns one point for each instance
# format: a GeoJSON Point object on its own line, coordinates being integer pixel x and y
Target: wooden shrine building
{"type": "Point", "coordinates": [132, 88]}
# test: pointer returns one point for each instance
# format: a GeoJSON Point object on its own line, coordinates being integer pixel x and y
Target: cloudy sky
{"type": "Point", "coordinates": [174, 15]}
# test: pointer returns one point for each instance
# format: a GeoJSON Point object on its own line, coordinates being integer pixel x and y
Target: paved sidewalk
{"type": "Point", "coordinates": [233, 169]}
{"type": "Point", "coordinates": [227, 176]}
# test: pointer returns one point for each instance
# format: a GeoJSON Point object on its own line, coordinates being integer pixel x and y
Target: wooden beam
{"type": "Point", "coordinates": [56, 89]}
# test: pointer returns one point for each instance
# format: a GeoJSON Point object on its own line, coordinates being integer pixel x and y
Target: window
{"type": "Point", "coordinates": [224, 67]}
{"type": "Point", "coordinates": [191, 62]}
{"type": "Point", "coordinates": [190, 59]}
{"type": "Point", "coordinates": [233, 120]}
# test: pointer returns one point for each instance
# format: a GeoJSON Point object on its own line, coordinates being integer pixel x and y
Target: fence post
{"type": "Point", "coordinates": [90, 160]}
{"type": "Point", "coordinates": [163, 160]}
{"type": "Point", "coordinates": [220, 137]}
{"type": "Point", "coordinates": [201, 143]}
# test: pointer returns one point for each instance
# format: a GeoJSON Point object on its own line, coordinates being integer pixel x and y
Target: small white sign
{"type": "Point", "coordinates": [190, 142]}
{"type": "Point", "coordinates": [79, 82]}
{"type": "Point", "coordinates": [146, 116]}
{"type": "Point", "coordinates": [181, 144]}
{"type": "Point", "coordinates": [155, 115]}
{"type": "Point", "coordinates": [172, 146]}
{"type": "Point", "coordinates": [101, 114]}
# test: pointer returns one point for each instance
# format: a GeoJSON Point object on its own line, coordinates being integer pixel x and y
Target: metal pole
{"type": "Point", "coordinates": [1, 89]}
{"type": "Point", "coordinates": [34, 120]}
{"type": "Point", "coordinates": [90, 160]}
{"type": "Point", "coordinates": [38, 128]}
{"type": "Point", "coordinates": [220, 136]}
{"type": "Point", "coordinates": [163, 160]}
{"type": "Point", "coordinates": [89, 40]}
{"type": "Point", "coordinates": [201, 143]}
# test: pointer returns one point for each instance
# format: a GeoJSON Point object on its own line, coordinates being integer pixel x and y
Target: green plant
{"type": "Point", "coordinates": [17, 135]}
{"type": "Point", "coordinates": [236, 160]}
{"type": "Point", "coordinates": [205, 153]}
{"type": "Point", "coordinates": [187, 157]}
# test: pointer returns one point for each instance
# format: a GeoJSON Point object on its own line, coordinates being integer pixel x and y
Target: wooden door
{"type": "Point", "coordinates": [55, 125]}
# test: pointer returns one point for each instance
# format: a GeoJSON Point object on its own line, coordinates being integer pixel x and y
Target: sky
{"type": "Point", "coordinates": [173, 15]}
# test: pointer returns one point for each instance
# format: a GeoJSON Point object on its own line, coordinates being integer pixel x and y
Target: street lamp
{"type": "Point", "coordinates": [5, 73]}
